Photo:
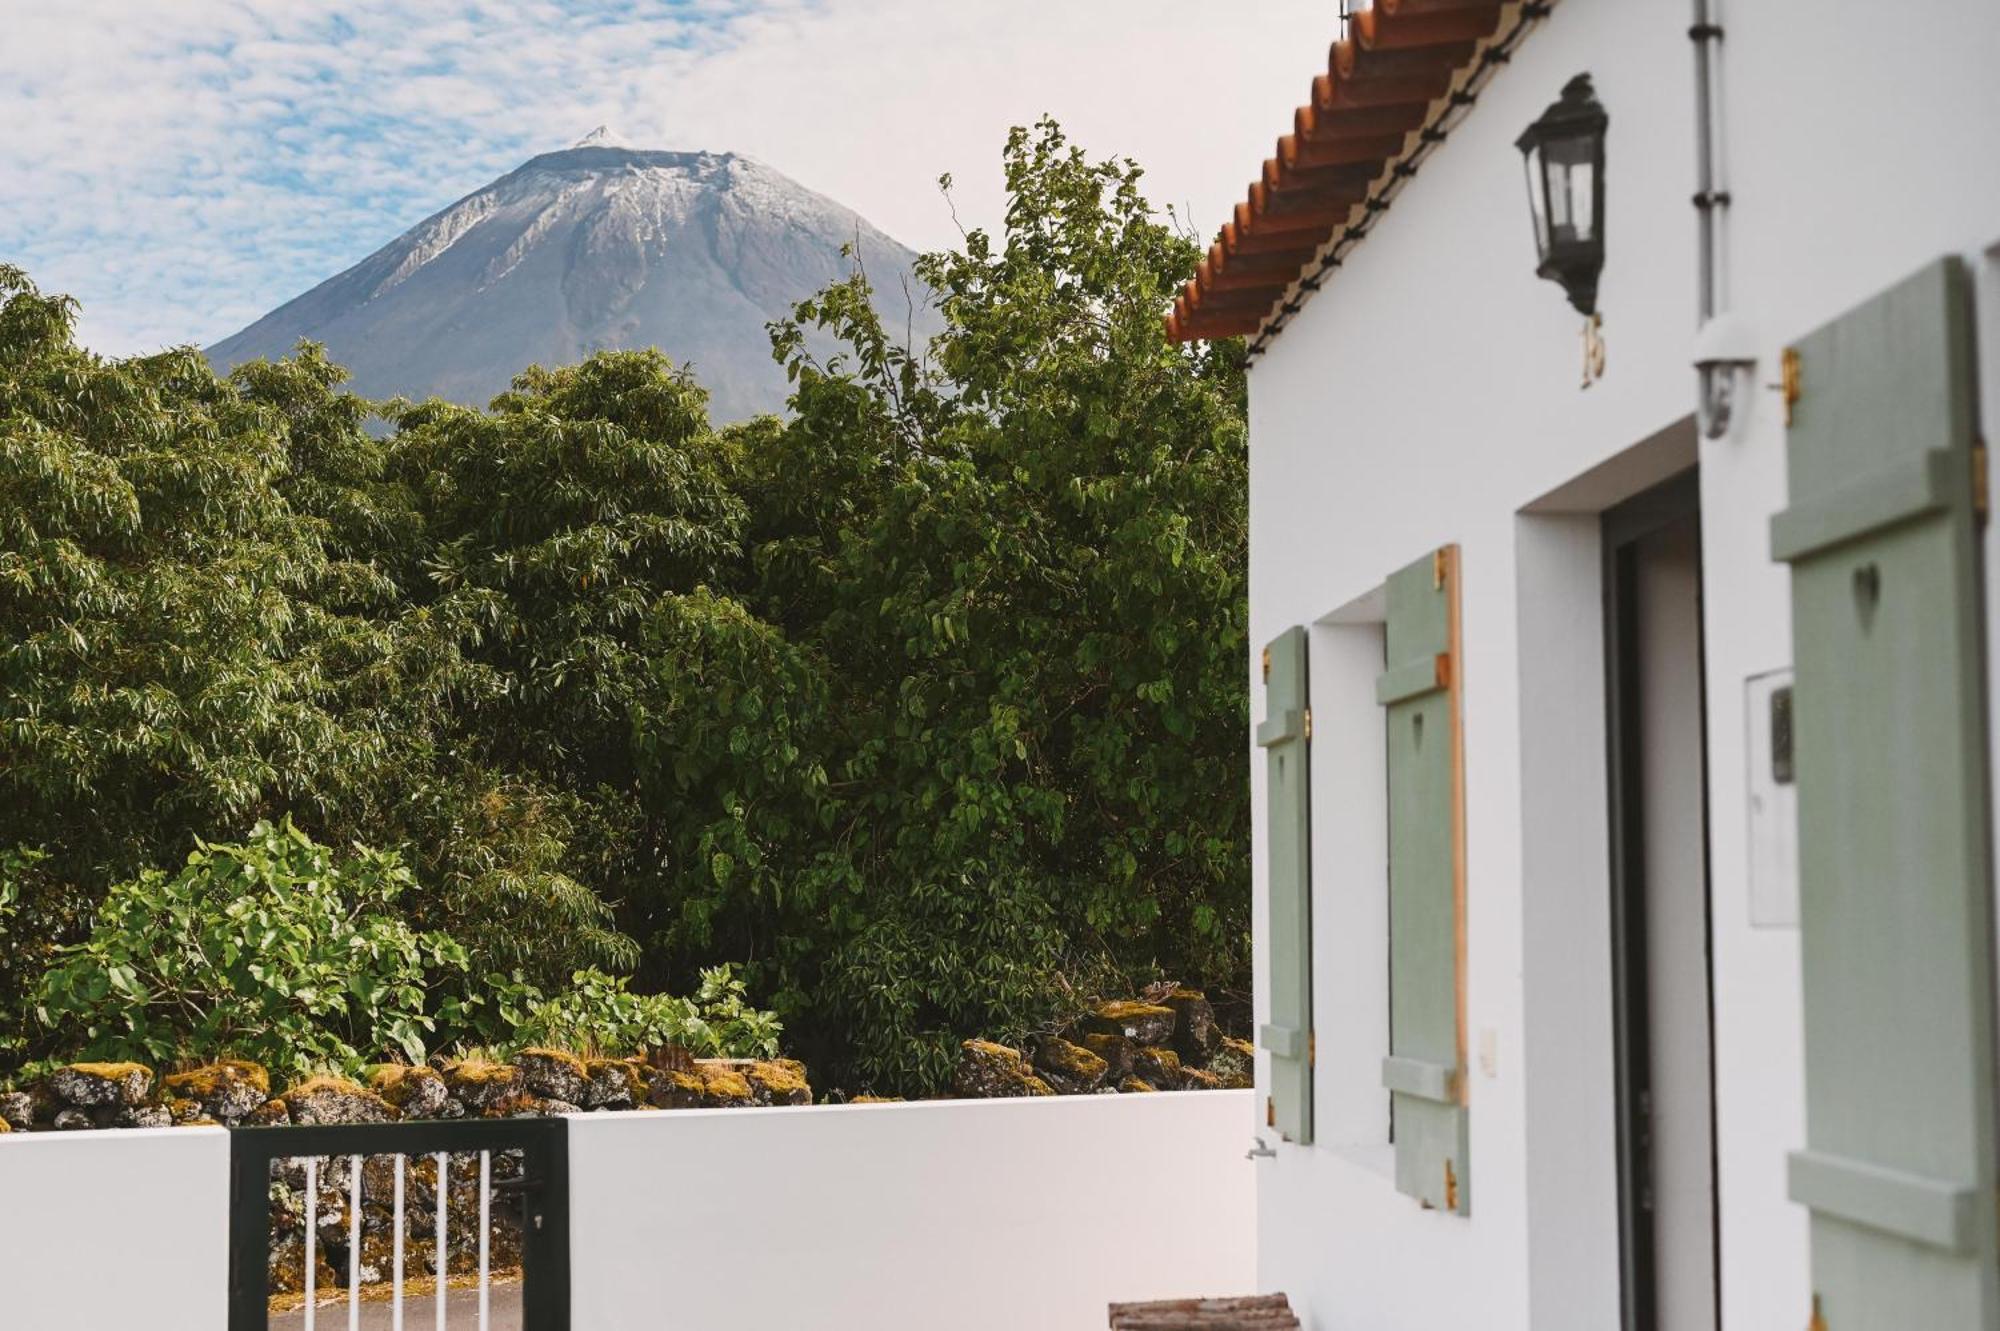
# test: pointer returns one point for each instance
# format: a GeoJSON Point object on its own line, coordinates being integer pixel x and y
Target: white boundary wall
{"type": "Point", "coordinates": [106, 1230]}
{"type": "Point", "coordinates": [971, 1214]}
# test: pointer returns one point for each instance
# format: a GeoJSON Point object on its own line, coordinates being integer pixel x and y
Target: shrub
{"type": "Point", "coordinates": [271, 948]}
{"type": "Point", "coordinates": [600, 1014]}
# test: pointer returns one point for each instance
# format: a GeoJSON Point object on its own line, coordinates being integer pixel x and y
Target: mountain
{"type": "Point", "coordinates": [600, 246]}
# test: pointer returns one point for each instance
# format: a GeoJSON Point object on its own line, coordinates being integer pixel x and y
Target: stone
{"type": "Point", "coordinates": [1199, 1079]}
{"type": "Point", "coordinates": [70, 1120]}
{"type": "Point", "coordinates": [141, 1116]}
{"type": "Point", "coordinates": [989, 1071]}
{"type": "Point", "coordinates": [17, 1110]}
{"type": "Point", "coordinates": [87, 1084]}
{"type": "Point", "coordinates": [876, 1100]}
{"type": "Point", "coordinates": [1115, 1050]}
{"type": "Point", "coordinates": [778, 1081]}
{"type": "Point", "coordinates": [270, 1114]}
{"type": "Point", "coordinates": [526, 1104]}
{"type": "Point", "coordinates": [1133, 1086]}
{"type": "Point", "coordinates": [1196, 1036]}
{"type": "Point", "coordinates": [335, 1100]}
{"type": "Point", "coordinates": [453, 1108]}
{"type": "Point", "coordinates": [5, 1126]}
{"type": "Point", "coordinates": [1070, 1068]}
{"type": "Point", "coordinates": [477, 1083]}
{"type": "Point", "coordinates": [287, 1266]}
{"type": "Point", "coordinates": [1234, 1064]}
{"type": "Point", "coordinates": [226, 1089]}
{"type": "Point", "coordinates": [1142, 1023]}
{"type": "Point", "coordinates": [612, 1084]}
{"type": "Point", "coordinates": [1159, 1068]}
{"type": "Point", "coordinates": [416, 1092]}
{"type": "Point", "coordinates": [709, 1086]}
{"type": "Point", "coordinates": [553, 1074]}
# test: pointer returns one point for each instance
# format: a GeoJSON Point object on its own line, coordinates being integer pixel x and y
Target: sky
{"type": "Point", "coordinates": [183, 166]}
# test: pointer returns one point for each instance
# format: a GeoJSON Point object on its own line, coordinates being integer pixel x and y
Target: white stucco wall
{"type": "Point", "coordinates": [971, 1214]}
{"type": "Point", "coordinates": [100, 1230]}
{"type": "Point", "coordinates": [1428, 394]}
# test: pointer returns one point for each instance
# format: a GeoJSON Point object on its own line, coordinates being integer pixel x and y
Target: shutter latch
{"type": "Point", "coordinates": [1818, 1322]}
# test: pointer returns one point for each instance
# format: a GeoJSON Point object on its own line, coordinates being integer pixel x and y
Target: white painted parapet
{"type": "Point", "coordinates": [969, 1214]}
{"type": "Point", "coordinates": [101, 1230]}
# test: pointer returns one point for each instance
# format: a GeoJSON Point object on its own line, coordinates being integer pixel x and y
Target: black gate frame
{"type": "Point", "coordinates": [543, 1143]}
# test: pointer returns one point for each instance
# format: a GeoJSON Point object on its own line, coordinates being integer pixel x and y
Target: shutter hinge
{"type": "Point", "coordinates": [1439, 562]}
{"type": "Point", "coordinates": [1267, 665]}
{"type": "Point", "coordinates": [1818, 1322]}
{"type": "Point", "coordinates": [1309, 723]}
{"type": "Point", "coordinates": [1312, 1049]}
{"type": "Point", "coordinates": [1791, 380]}
{"type": "Point", "coordinates": [1981, 504]}
{"type": "Point", "coordinates": [1270, 1112]}
{"type": "Point", "coordinates": [1450, 1186]}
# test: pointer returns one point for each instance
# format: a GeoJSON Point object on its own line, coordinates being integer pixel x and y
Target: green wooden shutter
{"type": "Point", "coordinates": [1286, 737]}
{"type": "Point", "coordinates": [1889, 722]}
{"type": "Point", "coordinates": [1425, 1070]}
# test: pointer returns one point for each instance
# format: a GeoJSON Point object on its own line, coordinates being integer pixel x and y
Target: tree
{"type": "Point", "coordinates": [924, 704]}
{"type": "Point", "coordinates": [1016, 568]}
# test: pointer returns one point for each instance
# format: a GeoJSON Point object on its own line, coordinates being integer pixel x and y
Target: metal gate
{"type": "Point", "coordinates": [425, 1224]}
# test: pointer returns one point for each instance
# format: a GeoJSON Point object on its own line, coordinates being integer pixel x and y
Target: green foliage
{"type": "Point", "coordinates": [924, 704]}
{"type": "Point", "coordinates": [1009, 579]}
{"type": "Point", "coordinates": [599, 1013]}
{"type": "Point", "coordinates": [271, 949]}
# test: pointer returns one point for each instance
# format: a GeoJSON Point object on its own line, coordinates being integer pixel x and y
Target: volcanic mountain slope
{"type": "Point", "coordinates": [600, 246]}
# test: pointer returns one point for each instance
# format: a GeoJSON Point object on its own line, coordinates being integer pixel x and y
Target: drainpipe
{"type": "Point", "coordinates": [1711, 198]}
{"type": "Point", "coordinates": [1725, 347]}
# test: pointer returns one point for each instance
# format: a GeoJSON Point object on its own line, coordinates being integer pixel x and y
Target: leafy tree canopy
{"type": "Point", "coordinates": [923, 705]}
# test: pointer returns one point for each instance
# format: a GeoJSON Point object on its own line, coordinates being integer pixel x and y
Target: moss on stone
{"type": "Point", "coordinates": [1069, 1067]}
{"type": "Point", "coordinates": [1146, 1023]}
{"type": "Point", "coordinates": [212, 1078]}
{"type": "Point", "coordinates": [876, 1100]}
{"type": "Point", "coordinates": [1133, 1086]}
{"type": "Point", "coordinates": [561, 1057]}
{"type": "Point", "coordinates": [1199, 1079]}
{"type": "Point", "coordinates": [1115, 1050]}
{"type": "Point", "coordinates": [724, 1085]}
{"type": "Point", "coordinates": [479, 1083]}
{"type": "Point", "coordinates": [779, 1081]}
{"type": "Point", "coordinates": [1161, 1067]}
{"type": "Point", "coordinates": [337, 1100]}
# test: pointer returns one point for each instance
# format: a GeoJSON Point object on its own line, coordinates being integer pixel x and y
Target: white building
{"type": "Point", "coordinates": [1589, 999]}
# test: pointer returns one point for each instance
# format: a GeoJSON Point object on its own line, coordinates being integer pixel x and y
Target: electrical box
{"type": "Point", "coordinates": [1774, 801]}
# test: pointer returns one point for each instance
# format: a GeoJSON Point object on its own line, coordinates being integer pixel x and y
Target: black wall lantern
{"type": "Point", "coordinates": [1564, 154]}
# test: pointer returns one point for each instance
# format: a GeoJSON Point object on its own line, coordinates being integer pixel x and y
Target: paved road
{"type": "Point", "coordinates": [419, 1312]}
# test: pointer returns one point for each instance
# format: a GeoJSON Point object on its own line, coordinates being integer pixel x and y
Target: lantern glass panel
{"type": "Point", "coordinates": [1537, 188]}
{"type": "Point", "coordinates": [1572, 185]}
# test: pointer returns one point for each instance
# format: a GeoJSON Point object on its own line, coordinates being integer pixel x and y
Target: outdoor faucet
{"type": "Point", "coordinates": [1259, 1151]}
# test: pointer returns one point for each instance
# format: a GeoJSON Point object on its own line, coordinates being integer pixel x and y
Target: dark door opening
{"type": "Point", "coordinates": [1660, 910]}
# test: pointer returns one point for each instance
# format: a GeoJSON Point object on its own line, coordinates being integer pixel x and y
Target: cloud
{"type": "Point", "coordinates": [183, 166]}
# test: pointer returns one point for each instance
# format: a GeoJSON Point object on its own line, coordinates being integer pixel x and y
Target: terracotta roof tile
{"type": "Point", "coordinates": [1380, 84]}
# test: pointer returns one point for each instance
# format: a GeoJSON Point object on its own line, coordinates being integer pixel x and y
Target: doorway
{"type": "Point", "coordinates": [1661, 983]}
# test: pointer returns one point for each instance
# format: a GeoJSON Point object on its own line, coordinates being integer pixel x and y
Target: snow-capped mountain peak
{"type": "Point", "coordinates": [585, 249]}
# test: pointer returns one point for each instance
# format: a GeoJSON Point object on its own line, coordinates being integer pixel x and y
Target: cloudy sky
{"type": "Point", "coordinates": [182, 166]}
